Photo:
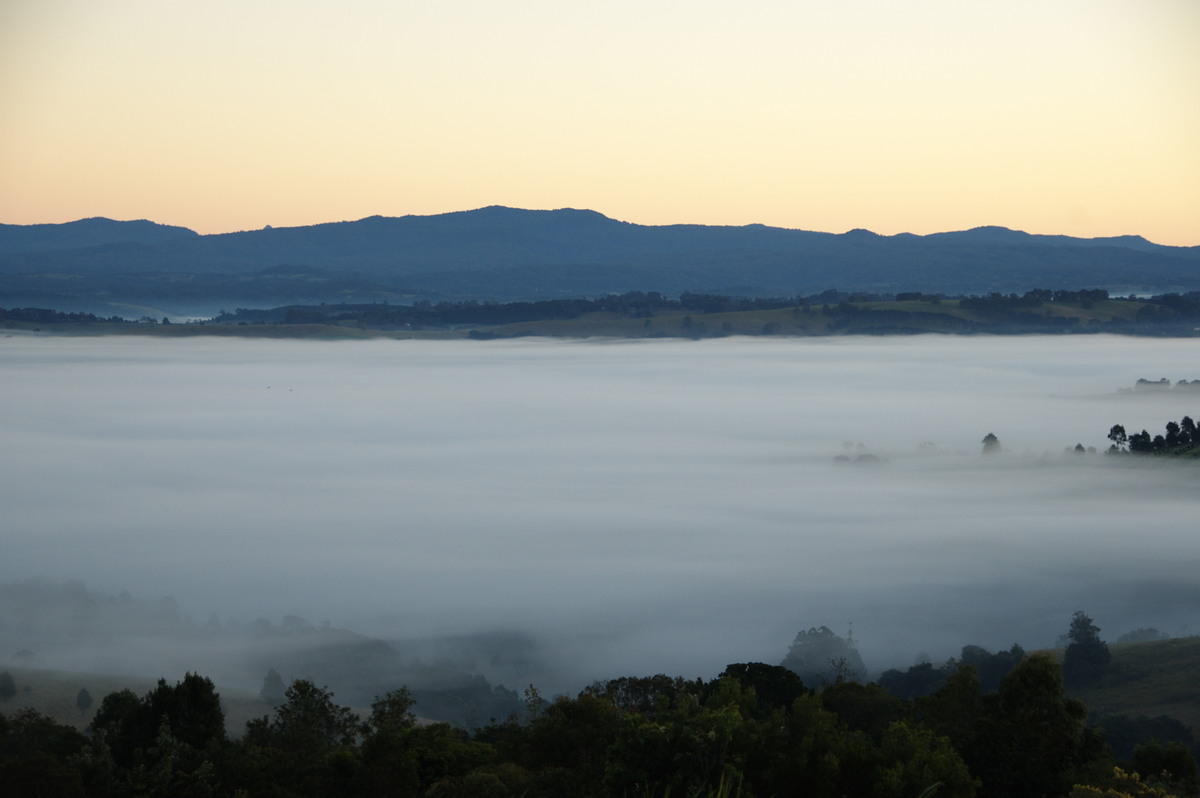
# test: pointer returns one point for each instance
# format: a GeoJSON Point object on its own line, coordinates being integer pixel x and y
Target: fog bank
{"type": "Point", "coordinates": [633, 506]}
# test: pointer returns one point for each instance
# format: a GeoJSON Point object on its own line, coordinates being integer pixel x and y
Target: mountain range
{"type": "Point", "coordinates": [505, 254]}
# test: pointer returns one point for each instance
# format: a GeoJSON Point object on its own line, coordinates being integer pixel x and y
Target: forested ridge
{"type": "Point", "coordinates": [985, 724]}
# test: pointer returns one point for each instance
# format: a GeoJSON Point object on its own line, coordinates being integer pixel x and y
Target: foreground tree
{"type": "Point", "coordinates": [191, 709]}
{"type": "Point", "coordinates": [309, 720]}
{"type": "Point", "coordinates": [775, 687]}
{"type": "Point", "coordinates": [1171, 763]}
{"type": "Point", "coordinates": [307, 748]}
{"type": "Point", "coordinates": [165, 743]}
{"type": "Point", "coordinates": [1034, 739]}
{"type": "Point", "coordinates": [916, 763]}
{"type": "Point", "coordinates": [118, 727]}
{"type": "Point", "coordinates": [391, 759]}
{"type": "Point", "coordinates": [37, 756]}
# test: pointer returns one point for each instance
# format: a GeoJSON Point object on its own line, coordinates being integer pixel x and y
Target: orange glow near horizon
{"type": "Point", "coordinates": [1076, 118]}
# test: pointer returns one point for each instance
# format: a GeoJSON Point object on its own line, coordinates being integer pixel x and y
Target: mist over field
{"type": "Point", "coordinates": [631, 507]}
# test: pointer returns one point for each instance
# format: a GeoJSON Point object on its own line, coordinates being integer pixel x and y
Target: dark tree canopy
{"type": "Point", "coordinates": [310, 720]}
{"type": "Point", "coordinates": [992, 668]}
{"type": "Point", "coordinates": [189, 712]}
{"type": "Point", "coordinates": [1171, 762]}
{"type": "Point", "coordinates": [646, 695]}
{"type": "Point", "coordinates": [919, 680]}
{"type": "Point", "coordinates": [753, 731]}
{"type": "Point", "coordinates": [775, 686]}
{"type": "Point", "coordinates": [392, 713]}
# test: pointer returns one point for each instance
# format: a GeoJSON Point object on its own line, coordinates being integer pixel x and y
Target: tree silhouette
{"type": "Point", "coordinates": [820, 657]}
{"type": "Point", "coordinates": [392, 712]}
{"type": "Point", "coordinates": [273, 689]}
{"type": "Point", "coordinates": [310, 721]}
{"type": "Point", "coordinates": [8, 688]}
{"type": "Point", "coordinates": [1087, 655]}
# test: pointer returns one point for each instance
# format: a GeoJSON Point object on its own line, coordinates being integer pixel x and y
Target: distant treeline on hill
{"type": "Point", "coordinates": [998, 308]}
{"type": "Point", "coordinates": [826, 313]}
{"type": "Point", "coordinates": [634, 304]}
{"type": "Point", "coordinates": [1163, 384]}
{"type": "Point", "coordinates": [48, 316]}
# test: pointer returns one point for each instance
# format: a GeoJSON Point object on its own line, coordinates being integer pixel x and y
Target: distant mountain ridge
{"type": "Point", "coordinates": [507, 253]}
{"type": "Point", "coordinates": [96, 231]}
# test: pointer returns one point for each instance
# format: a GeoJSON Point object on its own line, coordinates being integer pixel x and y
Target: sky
{"type": "Point", "coordinates": [1075, 117]}
{"type": "Point", "coordinates": [634, 507]}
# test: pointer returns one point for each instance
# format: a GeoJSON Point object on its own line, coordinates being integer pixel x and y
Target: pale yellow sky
{"type": "Point", "coordinates": [1079, 117]}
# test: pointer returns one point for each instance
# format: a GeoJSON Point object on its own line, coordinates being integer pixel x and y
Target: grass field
{"type": "Point", "coordinates": [1151, 679]}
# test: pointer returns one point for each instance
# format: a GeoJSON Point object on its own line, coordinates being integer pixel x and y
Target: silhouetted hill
{"type": "Point", "coordinates": [97, 231]}
{"type": "Point", "coordinates": [1002, 235]}
{"type": "Point", "coordinates": [507, 253]}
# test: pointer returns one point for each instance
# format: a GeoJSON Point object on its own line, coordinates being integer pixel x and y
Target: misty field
{"type": "Point", "coordinates": [634, 506]}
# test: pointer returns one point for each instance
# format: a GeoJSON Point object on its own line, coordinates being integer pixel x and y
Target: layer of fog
{"type": "Point", "coordinates": [634, 507]}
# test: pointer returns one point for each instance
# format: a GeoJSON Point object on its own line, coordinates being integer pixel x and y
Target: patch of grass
{"type": "Point", "coordinates": [1151, 679]}
{"type": "Point", "coordinates": [53, 693]}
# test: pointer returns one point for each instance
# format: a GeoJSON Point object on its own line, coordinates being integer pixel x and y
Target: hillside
{"type": "Point", "coordinates": [1151, 679]}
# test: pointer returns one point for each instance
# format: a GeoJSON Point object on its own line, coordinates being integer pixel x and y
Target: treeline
{"type": "Point", "coordinates": [755, 730]}
{"type": "Point", "coordinates": [1038, 297]}
{"type": "Point", "coordinates": [1171, 312]}
{"type": "Point", "coordinates": [1086, 659]}
{"type": "Point", "coordinates": [1000, 310]}
{"type": "Point", "coordinates": [423, 315]}
{"type": "Point", "coordinates": [1163, 385]}
{"type": "Point", "coordinates": [1179, 439]}
{"type": "Point", "coordinates": [48, 316]}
